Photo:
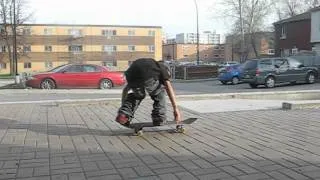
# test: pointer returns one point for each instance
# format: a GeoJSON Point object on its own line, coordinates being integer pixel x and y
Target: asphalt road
{"type": "Point", "coordinates": [182, 88]}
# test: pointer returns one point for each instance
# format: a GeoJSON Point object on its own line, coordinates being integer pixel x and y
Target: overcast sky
{"type": "Point", "coordinates": [175, 16]}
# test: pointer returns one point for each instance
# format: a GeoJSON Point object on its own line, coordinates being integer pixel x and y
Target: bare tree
{"type": "Point", "coordinates": [7, 10]}
{"type": "Point", "coordinates": [249, 17]}
{"type": "Point", "coordinates": [312, 3]}
{"type": "Point", "coordinates": [290, 8]}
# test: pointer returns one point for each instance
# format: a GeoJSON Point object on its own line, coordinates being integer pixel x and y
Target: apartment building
{"type": "Point", "coordinates": [188, 52]}
{"type": "Point", "coordinates": [44, 46]}
{"type": "Point", "coordinates": [207, 37]}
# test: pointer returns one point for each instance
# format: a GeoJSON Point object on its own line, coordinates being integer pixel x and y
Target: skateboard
{"type": "Point", "coordinates": [138, 127]}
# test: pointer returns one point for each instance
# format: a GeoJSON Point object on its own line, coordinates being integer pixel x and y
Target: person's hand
{"type": "Point", "coordinates": [177, 115]}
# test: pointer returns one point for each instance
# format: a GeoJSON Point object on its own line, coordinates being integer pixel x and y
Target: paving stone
{"type": "Point", "coordinates": [41, 171]}
{"type": "Point", "coordinates": [25, 172]}
{"type": "Point", "coordinates": [60, 177]}
{"type": "Point", "coordinates": [198, 172]}
{"type": "Point", "coordinates": [312, 174]}
{"type": "Point", "coordinates": [127, 173]}
{"type": "Point", "coordinates": [232, 170]}
{"type": "Point", "coordinates": [218, 175]}
{"type": "Point", "coordinates": [65, 171]}
{"type": "Point", "coordinates": [101, 172]}
{"type": "Point", "coordinates": [185, 176]}
{"type": "Point", "coordinates": [143, 171]}
{"type": "Point", "coordinates": [168, 177]}
{"type": "Point", "coordinates": [278, 176]}
{"type": "Point", "coordinates": [76, 176]}
{"type": "Point", "coordinates": [270, 144]}
{"type": "Point", "coordinates": [254, 176]}
{"type": "Point", "coordinates": [293, 174]}
{"type": "Point", "coordinates": [108, 177]}
{"type": "Point", "coordinates": [37, 178]}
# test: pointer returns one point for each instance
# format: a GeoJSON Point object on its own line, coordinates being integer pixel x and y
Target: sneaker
{"type": "Point", "coordinates": [123, 119]}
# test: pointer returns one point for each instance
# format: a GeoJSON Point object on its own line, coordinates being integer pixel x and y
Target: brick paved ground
{"type": "Point", "coordinates": [67, 142]}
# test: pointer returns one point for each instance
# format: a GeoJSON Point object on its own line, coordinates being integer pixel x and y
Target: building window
{"type": "Point", "coordinates": [48, 64]}
{"type": "Point", "coordinates": [27, 65]}
{"type": "Point", "coordinates": [75, 32]}
{"type": "Point", "coordinates": [151, 33]}
{"type": "Point", "coordinates": [294, 51]}
{"type": "Point", "coordinates": [109, 63]}
{"type": "Point", "coordinates": [131, 48]}
{"type": "Point", "coordinates": [108, 32]}
{"type": "Point", "coordinates": [283, 32]}
{"type": "Point", "coordinates": [3, 49]}
{"type": "Point", "coordinates": [271, 52]}
{"type": "Point", "coordinates": [75, 48]}
{"type": "Point", "coordinates": [151, 48]}
{"type": "Point", "coordinates": [48, 48]}
{"type": "Point", "coordinates": [3, 65]}
{"type": "Point", "coordinates": [131, 32]}
{"type": "Point", "coordinates": [109, 48]}
{"type": "Point", "coordinates": [47, 31]}
{"type": "Point", "coordinates": [27, 48]}
{"type": "Point", "coordinates": [26, 31]}
{"type": "Point", "coordinates": [216, 55]}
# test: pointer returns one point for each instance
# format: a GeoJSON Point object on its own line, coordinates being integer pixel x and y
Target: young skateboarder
{"type": "Point", "coordinates": [147, 75]}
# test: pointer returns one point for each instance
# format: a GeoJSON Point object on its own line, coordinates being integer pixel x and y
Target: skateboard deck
{"type": "Point", "coordinates": [138, 127]}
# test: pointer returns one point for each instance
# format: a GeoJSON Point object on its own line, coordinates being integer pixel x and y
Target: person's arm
{"type": "Point", "coordinates": [124, 93]}
{"type": "Point", "coordinates": [172, 97]}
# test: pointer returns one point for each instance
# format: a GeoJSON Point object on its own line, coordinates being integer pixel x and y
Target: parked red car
{"type": "Point", "coordinates": [77, 76]}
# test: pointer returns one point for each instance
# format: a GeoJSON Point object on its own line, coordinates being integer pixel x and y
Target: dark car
{"type": "Point", "coordinates": [77, 76]}
{"type": "Point", "coordinates": [271, 71]}
{"type": "Point", "coordinates": [230, 73]}
{"type": "Point", "coordinates": [308, 60]}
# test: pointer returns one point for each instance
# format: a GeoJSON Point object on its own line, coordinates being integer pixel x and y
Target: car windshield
{"type": "Point", "coordinates": [57, 69]}
{"type": "Point", "coordinates": [250, 64]}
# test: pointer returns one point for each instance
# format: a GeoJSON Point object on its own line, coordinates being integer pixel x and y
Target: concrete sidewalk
{"type": "Point", "coordinates": [78, 141]}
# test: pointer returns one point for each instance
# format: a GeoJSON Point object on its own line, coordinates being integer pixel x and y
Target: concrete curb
{"type": "Point", "coordinates": [291, 99]}
{"type": "Point", "coordinates": [301, 105]}
{"type": "Point", "coordinates": [275, 95]}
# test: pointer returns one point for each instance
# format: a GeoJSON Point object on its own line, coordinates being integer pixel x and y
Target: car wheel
{"type": "Point", "coordinates": [253, 85]}
{"type": "Point", "coordinates": [223, 82]}
{"type": "Point", "coordinates": [270, 82]}
{"type": "Point", "coordinates": [47, 84]}
{"type": "Point", "coordinates": [106, 84]}
{"type": "Point", "coordinates": [310, 78]}
{"type": "Point", "coordinates": [235, 80]}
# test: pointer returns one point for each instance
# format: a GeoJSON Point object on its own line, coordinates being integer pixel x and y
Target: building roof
{"type": "Point", "coordinates": [93, 25]}
{"type": "Point", "coordinates": [299, 17]}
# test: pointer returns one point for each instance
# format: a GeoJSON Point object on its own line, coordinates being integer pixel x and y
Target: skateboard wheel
{"type": "Point", "coordinates": [139, 133]}
{"type": "Point", "coordinates": [180, 129]}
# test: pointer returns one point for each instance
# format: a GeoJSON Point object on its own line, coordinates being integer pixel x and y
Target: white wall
{"type": "Point", "coordinates": [315, 27]}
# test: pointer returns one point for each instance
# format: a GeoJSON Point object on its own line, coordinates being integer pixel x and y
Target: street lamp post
{"type": "Point", "coordinates": [198, 60]}
{"type": "Point", "coordinates": [14, 29]}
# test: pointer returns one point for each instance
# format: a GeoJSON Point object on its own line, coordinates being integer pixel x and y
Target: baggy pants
{"type": "Point", "coordinates": [157, 93]}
